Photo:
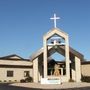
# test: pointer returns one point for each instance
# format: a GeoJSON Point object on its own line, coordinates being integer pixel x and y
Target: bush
{"type": "Point", "coordinates": [85, 79]}
{"type": "Point", "coordinates": [22, 80]}
{"type": "Point", "coordinates": [10, 81]}
{"type": "Point", "coordinates": [15, 80]}
{"type": "Point", "coordinates": [5, 81]}
{"type": "Point", "coordinates": [29, 79]}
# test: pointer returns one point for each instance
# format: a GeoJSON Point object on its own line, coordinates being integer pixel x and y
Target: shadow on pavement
{"type": "Point", "coordinates": [9, 87]}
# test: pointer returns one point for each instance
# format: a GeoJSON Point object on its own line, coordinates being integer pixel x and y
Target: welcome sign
{"type": "Point", "coordinates": [50, 81]}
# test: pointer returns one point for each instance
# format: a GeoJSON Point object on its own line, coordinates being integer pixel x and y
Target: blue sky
{"type": "Point", "coordinates": [24, 22]}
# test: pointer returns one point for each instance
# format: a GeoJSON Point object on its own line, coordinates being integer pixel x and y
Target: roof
{"type": "Point", "coordinates": [72, 52]}
{"type": "Point", "coordinates": [85, 62]}
{"type": "Point", "coordinates": [15, 66]}
{"type": "Point", "coordinates": [55, 29]}
{"type": "Point", "coordinates": [12, 57]}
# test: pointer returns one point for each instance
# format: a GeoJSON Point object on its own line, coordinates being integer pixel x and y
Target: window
{"type": "Point", "coordinates": [26, 74]}
{"type": "Point", "coordinates": [9, 73]}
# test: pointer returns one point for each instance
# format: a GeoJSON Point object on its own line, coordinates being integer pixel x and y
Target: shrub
{"type": "Point", "coordinates": [0, 81]}
{"type": "Point", "coordinates": [10, 81]}
{"type": "Point", "coordinates": [29, 79]}
{"type": "Point", "coordinates": [15, 80]}
{"type": "Point", "coordinates": [22, 80]}
{"type": "Point", "coordinates": [85, 79]}
{"type": "Point", "coordinates": [5, 81]}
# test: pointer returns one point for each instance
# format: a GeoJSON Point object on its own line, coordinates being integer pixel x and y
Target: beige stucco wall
{"type": "Point", "coordinates": [85, 69]}
{"type": "Point", "coordinates": [18, 74]}
{"type": "Point", "coordinates": [15, 62]}
{"type": "Point", "coordinates": [18, 70]}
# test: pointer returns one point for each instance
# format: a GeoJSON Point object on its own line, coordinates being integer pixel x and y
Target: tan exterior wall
{"type": "Point", "coordinates": [18, 70]}
{"type": "Point", "coordinates": [85, 69]}
{"type": "Point", "coordinates": [15, 62]}
{"type": "Point", "coordinates": [17, 75]}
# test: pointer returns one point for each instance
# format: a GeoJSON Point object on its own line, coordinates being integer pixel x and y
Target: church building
{"type": "Point", "coordinates": [42, 67]}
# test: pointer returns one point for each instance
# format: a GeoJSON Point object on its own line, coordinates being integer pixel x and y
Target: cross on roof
{"type": "Point", "coordinates": [55, 18]}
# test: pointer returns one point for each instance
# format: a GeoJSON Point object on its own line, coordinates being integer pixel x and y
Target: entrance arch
{"type": "Point", "coordinates": [70, 66]}
{"type": "Point", "coordinates": [54, 45]}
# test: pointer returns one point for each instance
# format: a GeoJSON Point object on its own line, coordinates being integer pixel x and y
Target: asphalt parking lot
{"type": "Point", "coordinates": [28, 86]}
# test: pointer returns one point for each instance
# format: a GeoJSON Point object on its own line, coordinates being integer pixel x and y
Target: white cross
{"type": "Point", "coordinates": [55, 18]}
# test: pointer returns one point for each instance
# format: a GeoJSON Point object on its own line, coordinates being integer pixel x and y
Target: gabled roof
{"type": "Point", "coordinates": [60, 49]}
{"type": "Point", "coordinates": [55, 31]}
{"type": "Point", "coordinates": [12, 57]}
{"type": "Point", "coordinates": [72, 53]}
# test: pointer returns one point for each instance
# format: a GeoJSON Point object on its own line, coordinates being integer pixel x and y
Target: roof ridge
{"type": "Point", "coordinates": [12, 55]}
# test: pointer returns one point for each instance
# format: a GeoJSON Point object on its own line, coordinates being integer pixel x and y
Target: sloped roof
{"type": "Point", "coordinates": [12, 57]}
{"type": "Point", "coordinates": [85, 62]}
{"type": "Point", "coordinates": [55, 29]}
{"type": "Point", "coordinates": [72, 53]}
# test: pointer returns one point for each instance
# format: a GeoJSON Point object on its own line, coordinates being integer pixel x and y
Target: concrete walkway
{"type": "Point", "coordinates": [53, 87]}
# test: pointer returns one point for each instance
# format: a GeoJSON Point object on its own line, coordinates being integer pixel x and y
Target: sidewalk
{"type": "Point", "coordinates": [49, 86]}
